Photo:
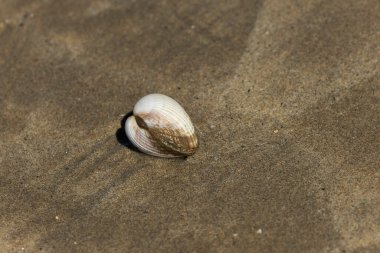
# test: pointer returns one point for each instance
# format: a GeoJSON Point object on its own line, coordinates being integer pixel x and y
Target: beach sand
{"type": "Point", "coordinates": [284, 96]}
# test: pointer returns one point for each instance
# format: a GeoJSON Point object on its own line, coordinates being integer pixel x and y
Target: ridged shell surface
{"type": "Point", "coordinates": [161, 127]}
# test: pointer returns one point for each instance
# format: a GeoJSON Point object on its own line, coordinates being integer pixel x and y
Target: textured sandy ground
{"type": "Point", "coordinates": [285, 96]}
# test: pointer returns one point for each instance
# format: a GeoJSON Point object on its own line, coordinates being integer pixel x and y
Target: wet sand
{"type": "Point", "coordinates": [284, 95]}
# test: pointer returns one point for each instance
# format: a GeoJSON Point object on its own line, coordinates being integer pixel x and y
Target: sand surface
{"type": "Point", "coordinates": [284, 95]}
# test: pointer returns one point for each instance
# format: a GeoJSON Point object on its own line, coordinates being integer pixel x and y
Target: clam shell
{"type": "Point", "coordinates": [159, 126]}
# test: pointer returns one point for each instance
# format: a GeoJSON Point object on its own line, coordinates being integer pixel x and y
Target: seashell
{"type": "Point", "coordinates": [160, 127]}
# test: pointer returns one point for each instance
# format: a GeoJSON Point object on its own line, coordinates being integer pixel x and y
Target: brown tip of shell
{"type": "Point", "coordinates": [175, 141]}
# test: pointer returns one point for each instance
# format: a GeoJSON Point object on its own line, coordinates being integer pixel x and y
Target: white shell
{"type": "Point", "coordinates": [159, 126]}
